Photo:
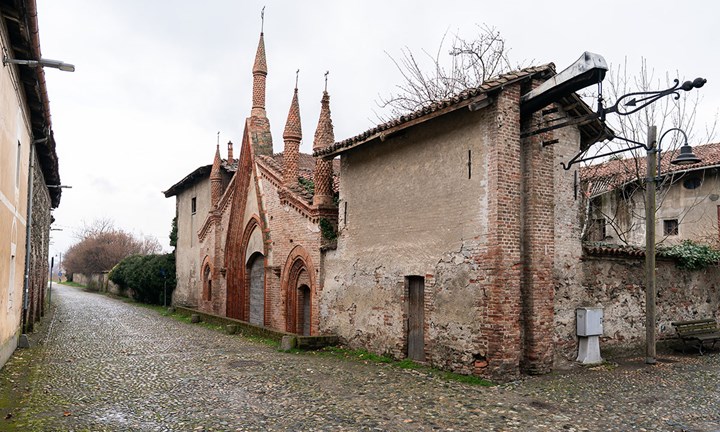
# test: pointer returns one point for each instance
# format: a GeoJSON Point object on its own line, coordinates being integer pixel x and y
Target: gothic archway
{"type": "Point", "coordinates": [297, 285]}
{"type": "Point", "coordinates": [238, 292]}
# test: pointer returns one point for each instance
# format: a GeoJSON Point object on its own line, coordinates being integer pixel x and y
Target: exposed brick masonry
{"type": "Point", "coordinates": [292, 136]}
{"type": "Point", "coordinates": [259, 77]}
{"type": "Point", "coordinates": [502, 263]}
{"type": "Point", "coordinates": [215, 180]}
{"type": "Point", "coordinates": [538, 236]}
{"type": "Point", "coordinates": [324, 136]}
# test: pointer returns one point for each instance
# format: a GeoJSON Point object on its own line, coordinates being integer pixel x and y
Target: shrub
{"type": "Point", "coordinates": [147, 275]}
{"type": "Point", "coordinates": [692, 256]}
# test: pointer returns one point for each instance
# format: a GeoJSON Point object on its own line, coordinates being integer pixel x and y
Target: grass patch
{"type": "Point", "coordinates": [368, 357]}
{"type": "Point", "coordinates": [163, 310]}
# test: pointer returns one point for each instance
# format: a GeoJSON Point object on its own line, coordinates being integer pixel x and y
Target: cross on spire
{"type": "Point", "coordinates": [297, 75]}
{"type": "Point", "coordinates": [326, 75]}
{"type": "Point", "coordinates": [262, 19]}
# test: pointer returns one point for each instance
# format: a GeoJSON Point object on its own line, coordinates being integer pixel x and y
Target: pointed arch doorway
{"type": "Point", "coordinates": [298, 280]}
{"type": "Point", "coordinates": [256, 284]}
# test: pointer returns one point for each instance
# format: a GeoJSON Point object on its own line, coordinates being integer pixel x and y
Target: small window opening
{"type": "Point", "coordinates": [670, 227]}
{"type": "Point", "coordinates": [692, 183]}
{"type": "Point", "coordinates": [193, 205]}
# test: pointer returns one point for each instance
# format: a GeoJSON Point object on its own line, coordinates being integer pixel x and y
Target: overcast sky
{"type": "Point", "coordinates": [156, 80]}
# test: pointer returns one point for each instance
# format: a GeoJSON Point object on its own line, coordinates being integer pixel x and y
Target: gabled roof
{"type": "Point", "coordinates": [462, 100]}
{"type": "Point", "coordinates": [20, 19]}
{"type": "Point", "coordinates": [619, 172]}
{"type": "Point", "coordinates": [199, 173]}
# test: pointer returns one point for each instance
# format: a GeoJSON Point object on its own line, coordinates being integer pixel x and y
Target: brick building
{"type": "Point", "coordinates": [251, 231]}
{"type": "Point", "coordinates": [454, 225]}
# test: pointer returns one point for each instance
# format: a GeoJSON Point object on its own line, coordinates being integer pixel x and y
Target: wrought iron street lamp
{"type": "Point", "coordinates": [626, 105]}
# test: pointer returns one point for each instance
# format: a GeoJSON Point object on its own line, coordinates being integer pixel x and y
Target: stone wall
{"type": "Point", "coordinates": [92, 281]}
{"type": "Point", "coordinates": [101, 282]}
{"type": "Point", "coordinates": [40, 244]}
{"type": "Point", "coordinates": [618, 285]}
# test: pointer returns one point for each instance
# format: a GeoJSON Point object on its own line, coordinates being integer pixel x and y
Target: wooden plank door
{"type": "Point", "coordinates": [416, 318]}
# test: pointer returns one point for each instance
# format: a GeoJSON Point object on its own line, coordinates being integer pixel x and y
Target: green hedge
{"type": "Point", "coordinates": [147, 276]}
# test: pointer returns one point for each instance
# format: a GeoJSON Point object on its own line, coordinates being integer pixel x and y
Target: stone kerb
{"type": "Point", "coordinates": [245, 328]}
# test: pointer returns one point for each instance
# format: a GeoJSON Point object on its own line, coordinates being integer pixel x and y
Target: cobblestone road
{"type": "Point", "coordinates": [107, 365]}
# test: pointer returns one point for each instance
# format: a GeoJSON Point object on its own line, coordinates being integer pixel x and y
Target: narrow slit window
{"type": "Point", "coordinates": [469, 163]}
{"type": "Point", "coordinates": [193, 205]}
{"type": "Point", "coordinates": [671, 227]}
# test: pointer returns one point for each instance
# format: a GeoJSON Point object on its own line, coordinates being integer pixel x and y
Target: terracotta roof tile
{"type": "Point", "coordinates": [490, 84]}
{"type": "Point", "coordinates": [609, 175]}
{"type": "Point", "coordinates": [613, 250]}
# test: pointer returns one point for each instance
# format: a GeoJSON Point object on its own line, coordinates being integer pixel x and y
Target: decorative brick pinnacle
{"type": "Point", "coordinates": [259, 78]}
{"type": "Point", "coordinates": [215, 171]}
{"type": "Point", "coordinates": [260, 65]}
{"type": "Point", "coordinates": [215, 179]}
{"type": "Point", "coordinates": [292, 137]}
{"type": "Point", "coordinates": [293, 129]}
{"type": "Point", "coordinates": [324, 135]}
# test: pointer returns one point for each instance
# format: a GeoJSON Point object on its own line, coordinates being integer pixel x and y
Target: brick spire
{"type": "Point", "coordinates": [259, 78]}
{"type": "Point", "coordinates": [215, 179]}
{"type": "Point", "coordinates": [259, 125]}
{"type": "Point", "coordinates": [292, 136]}
{"type": "Point", "coordinates": [230, 159]}
{"type": "Point", "coordinates": [324, 136]}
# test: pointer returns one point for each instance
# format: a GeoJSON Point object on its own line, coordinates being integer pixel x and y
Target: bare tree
{"type": "Point", "coordinates": [100, 246]}
{"type": "Point", "coordinates": [435, 77]}
{"type": "Point", "coordinates": [620, 208]}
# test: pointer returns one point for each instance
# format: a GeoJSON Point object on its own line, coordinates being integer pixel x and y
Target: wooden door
{"type": "Point", "coordinates": [416, 318]}
{"type": "Point", "coordinates": [304, 293]}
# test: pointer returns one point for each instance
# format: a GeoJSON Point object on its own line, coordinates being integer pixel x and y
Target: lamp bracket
{"type": "Point", "coordinates": [633, 102]}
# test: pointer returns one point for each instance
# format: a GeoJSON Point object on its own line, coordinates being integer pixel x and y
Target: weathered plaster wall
{"type": "Point", "coordinates": [696, 212]}
{"type": "Point", "coordinates": [618, 285]}
{"type": "Point", "coordinates": [567, 270]}
{"type": "Point", "coordinates": [189, 279]}
{"type": "Point", "coordinates": [695, 209]}
{"type": "Point", "coordinates": [408, 208]}
{"type": "Point", "coordinates": [14, 167]}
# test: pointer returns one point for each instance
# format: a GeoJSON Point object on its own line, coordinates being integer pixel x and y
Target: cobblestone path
{"type": "Point", "coordinates": [107, 365]}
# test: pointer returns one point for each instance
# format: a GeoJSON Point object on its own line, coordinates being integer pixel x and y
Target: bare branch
{"type": "Point", "coordinates": [468, 65]}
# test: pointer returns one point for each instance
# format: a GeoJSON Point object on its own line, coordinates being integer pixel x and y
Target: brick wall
{"type": "Point", "coordinates": [291, 233]}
